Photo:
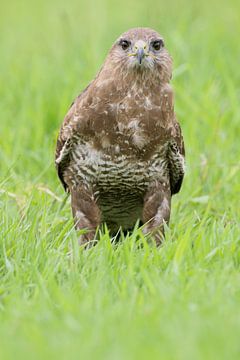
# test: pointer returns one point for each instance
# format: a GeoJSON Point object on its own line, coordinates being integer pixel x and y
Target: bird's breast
{"type": "Point", "coordinates": [118, 180]}
{"type": "Point", "coordinates": [131, 123]}
{"type": "Point", "coordinates": [112, 168]}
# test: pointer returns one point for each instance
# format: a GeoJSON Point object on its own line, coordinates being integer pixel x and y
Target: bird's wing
{"type": "Point", "coordinates": [175, 151]}
{"type": "Point", "coordinates": [65, 138]}
{"type": "Point", "coordinates": [176, 158]}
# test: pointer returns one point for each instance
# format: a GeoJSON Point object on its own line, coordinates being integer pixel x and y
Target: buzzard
{"type": "Point", "coordinates": [120, 151]}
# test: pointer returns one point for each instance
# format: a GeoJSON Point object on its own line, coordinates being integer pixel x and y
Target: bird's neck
{"type": "Point", "coordinates": [139, 78]}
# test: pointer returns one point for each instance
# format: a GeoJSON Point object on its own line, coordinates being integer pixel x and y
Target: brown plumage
{"type": "Point", "coordinates": [120, 152]}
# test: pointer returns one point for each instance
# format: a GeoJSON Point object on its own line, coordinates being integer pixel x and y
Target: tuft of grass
{"type": "Point", "coordinates": [129, 300]}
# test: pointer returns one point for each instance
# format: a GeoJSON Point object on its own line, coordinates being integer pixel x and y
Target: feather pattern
{"type": "Point", "coordinates": [120, 144]}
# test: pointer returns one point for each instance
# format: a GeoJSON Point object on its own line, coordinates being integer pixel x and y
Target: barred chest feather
{"type": "Point", "coordinates": [118, 180]}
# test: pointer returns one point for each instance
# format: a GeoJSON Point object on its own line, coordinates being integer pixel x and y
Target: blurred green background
{"type": "Point", "coordinates": [178, 302]}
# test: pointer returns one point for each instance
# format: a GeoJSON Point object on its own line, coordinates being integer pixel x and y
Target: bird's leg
{"type": "Point", "coordinates": [156, 210]}
{"type": "Point", "coordinates": [86, 214]}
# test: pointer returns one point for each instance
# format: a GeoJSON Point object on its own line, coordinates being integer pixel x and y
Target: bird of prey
{"type": "Point", "coordinates": [120, 151]}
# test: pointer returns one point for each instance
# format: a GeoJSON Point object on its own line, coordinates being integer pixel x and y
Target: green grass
{"type": "Point", "coordinates": [180, 301]}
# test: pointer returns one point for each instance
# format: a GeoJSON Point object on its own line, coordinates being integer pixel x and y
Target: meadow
{"type": "Point", "coordinates": [118, 301]}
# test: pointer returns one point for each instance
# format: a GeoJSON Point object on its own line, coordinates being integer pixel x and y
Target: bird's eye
{"type": "Point", "coordinates": [157, 44]}
{"type": "Point", "coordinates": [125, 44]}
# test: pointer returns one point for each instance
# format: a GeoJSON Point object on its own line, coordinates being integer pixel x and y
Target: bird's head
{"type": "Point", "coordinates": [141, 50]}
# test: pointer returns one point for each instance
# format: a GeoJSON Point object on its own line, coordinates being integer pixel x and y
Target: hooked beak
{"type": "Point", "coordinates": [140, 55]}
{"type": "Point", "coordinates": [140, 51]}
